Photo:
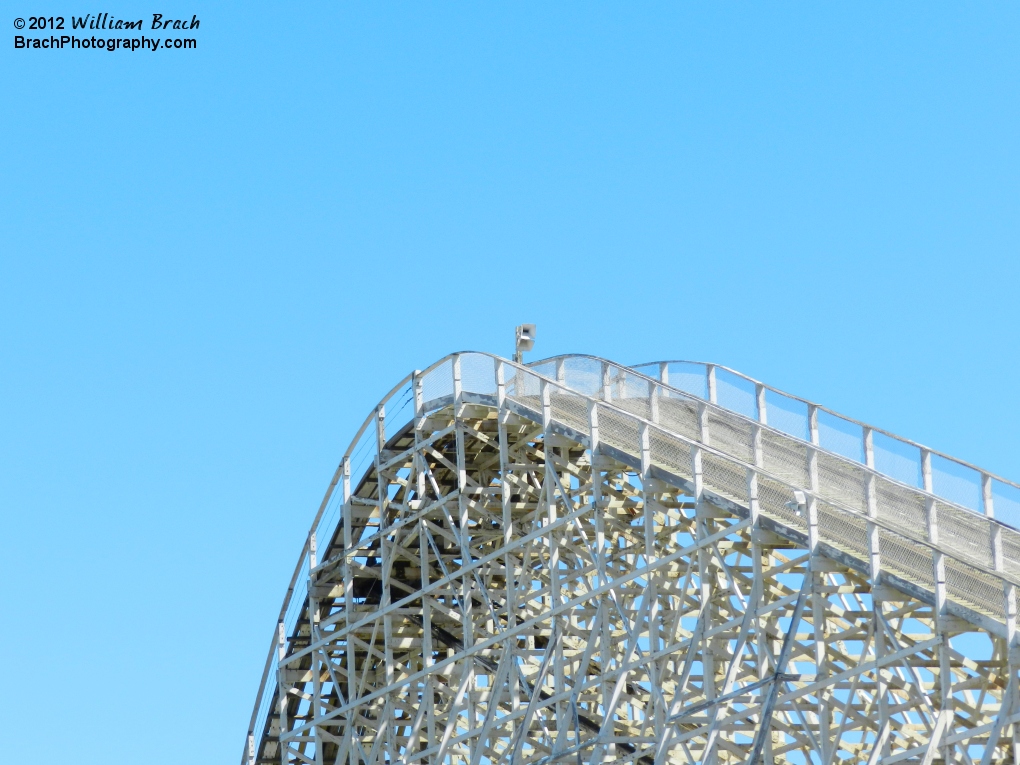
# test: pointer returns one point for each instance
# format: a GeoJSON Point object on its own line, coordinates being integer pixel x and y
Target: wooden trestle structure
{"type": "Point", "coordinates": [526, 574]}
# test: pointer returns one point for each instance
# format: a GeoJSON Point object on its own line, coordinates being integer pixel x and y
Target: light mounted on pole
{"type": "Point", "coordinates": [525, 341]}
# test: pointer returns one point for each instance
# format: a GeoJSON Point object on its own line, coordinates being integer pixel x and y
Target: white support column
{"type": "Point", "coordinates": [757, 555]}
{"type": "Point", "coordinates": [549, 497]}
{"type": "Point", "coordinates": [546, 394]}
{"type": "Point", "coordinates": [812, 471]}
{"type": "Point", "coordinates": [818, 582]}
{"type": "Point", "coordinates": [1013, 662]}
{"type": "Point", "coordinates": [604, 626]}
{"type": "Point", "coordinates": [931, 518]}
{"type": "Point", "coordinates": [697, 474]}
{"type": "Point", "coordinates": [994, 529]}
{"type": "Point", "coordinates": [457, 387]}
{"type": "Point", "coordinates": [987, 501]}
{"type": "Point", "coordinates": [281, 686]}
{"type": "Point", "coordinates": [349, 615]}
{"type": "Point", "coordinates": [752, 497]}
{"type": "Point", "coordinates": [710, 383]}
{"type": "Point", "coordinates": [875, 560]}
{"type": "Point", "coordinates": [509, 560]}
{"type": "Point", "coordinates": [871, 497]}
{"type": "Point", "coordinates": [1009, 607]}
{"type": "Point", "coordinates": [464, 535]}
{"type": "Point", "coordinates": [939, 573]}
{"type": "Point", "coordinates": [756, 430]}
{"type": "Point", "coordinates": [315, 635]}
{"type": "Point", "coordinates": [998, 561]}
{"type": "Point", "coordinates": [652, 581]}
{"type": "Point", "coordinates": [424, 563]}
{"type": "Point", "coordinates": [385, 569]}
{"type": "Point", "coordinates": [706, 577]}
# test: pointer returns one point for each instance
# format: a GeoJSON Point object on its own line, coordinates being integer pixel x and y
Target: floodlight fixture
{"type": "Point", "coordinates": [525, 341]}
{"type": "Point", "coordinates": [799, 503]}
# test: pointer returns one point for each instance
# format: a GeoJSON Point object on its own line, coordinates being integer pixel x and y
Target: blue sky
{"type": "Point", "coordinates": [214, 262]}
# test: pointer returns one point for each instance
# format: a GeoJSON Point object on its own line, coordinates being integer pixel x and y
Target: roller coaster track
{"type": "Point", "coordinates": [577, 560]}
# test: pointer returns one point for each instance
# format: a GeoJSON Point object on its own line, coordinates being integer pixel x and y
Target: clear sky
{"type": "Point", "coordinates": [213, 262]}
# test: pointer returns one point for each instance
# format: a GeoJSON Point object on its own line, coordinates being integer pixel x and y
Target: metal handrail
{"type": "Point", "coordinates": [986, 477]}
{"type": "Point", "coordinates": [820, 408]}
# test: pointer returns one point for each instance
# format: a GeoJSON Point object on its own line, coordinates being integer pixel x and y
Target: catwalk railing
{"type": "Point", "coordinates": [694, 426]}
{"type": "Point", "coordinates": [893, 456]}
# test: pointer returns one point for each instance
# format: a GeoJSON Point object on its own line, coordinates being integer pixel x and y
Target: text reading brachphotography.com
{"type": "Point", "coordinates": [111, 31]}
